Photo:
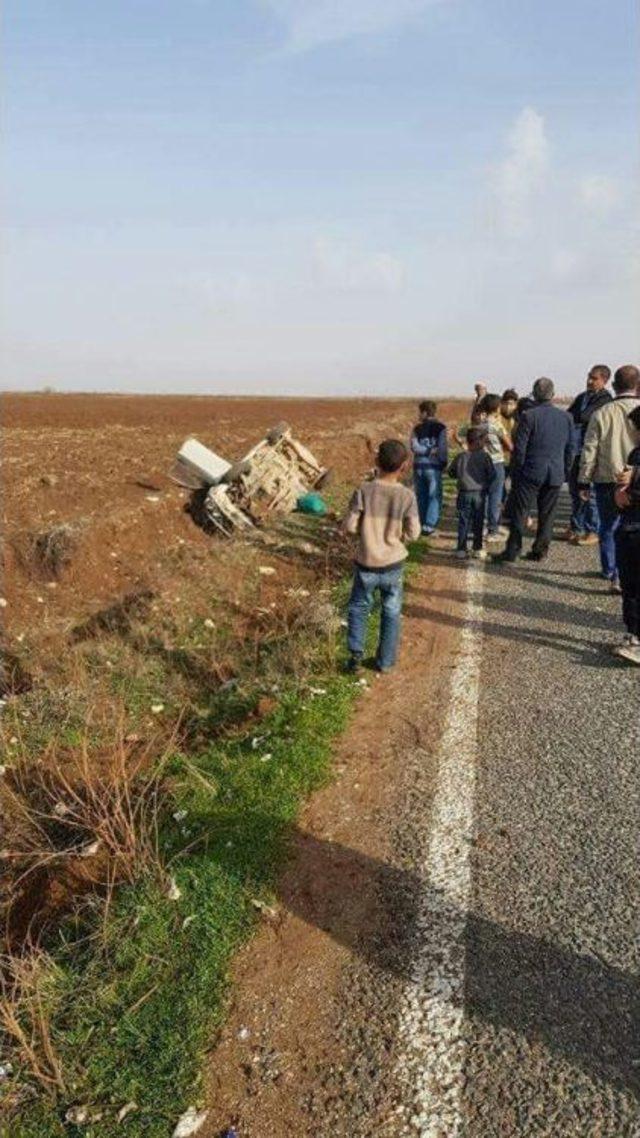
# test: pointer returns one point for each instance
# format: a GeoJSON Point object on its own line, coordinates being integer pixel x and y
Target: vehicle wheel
{"type": "Point", "coordinates": [324, 479]}
{"type": "Point", "coordinates": [237, 470]}
{"type": "Point", "coordinates": [274, 435]}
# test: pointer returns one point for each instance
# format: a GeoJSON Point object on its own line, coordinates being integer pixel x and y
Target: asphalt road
{"type": "Point", "coordinates": [538, 956]}
{"type": "Point", "coordinates": [551, 1001]}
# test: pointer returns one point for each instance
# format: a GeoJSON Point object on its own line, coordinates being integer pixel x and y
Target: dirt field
{"type": "Point", "coordinates": [99, 464]}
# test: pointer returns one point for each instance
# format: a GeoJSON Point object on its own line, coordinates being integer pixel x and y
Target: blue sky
{"type": "Point", "coordinates": [384, 196]}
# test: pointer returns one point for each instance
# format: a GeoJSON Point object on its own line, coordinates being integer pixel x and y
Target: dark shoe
{"type": "Point", "coordinates": [503, 558]}
{"type": "Point", "coordinates": [380, 670]}
{"type": "Point", "coordinates": [532, 555]}
{"type": "Point", "coordinates": [353, 664]}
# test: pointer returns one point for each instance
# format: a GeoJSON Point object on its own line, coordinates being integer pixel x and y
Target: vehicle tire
{"type": "Point", "coordinates": [274, 435]}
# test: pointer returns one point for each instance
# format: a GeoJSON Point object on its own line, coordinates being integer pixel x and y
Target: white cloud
{"type": "Point", "coordinates": [347, 269]}
{"type": "Point", "coordinates": [521, 177]}
{"type": "Point", "coordinates": [599, 194]}
{"type": "Point", "coordinates": [311, 23]}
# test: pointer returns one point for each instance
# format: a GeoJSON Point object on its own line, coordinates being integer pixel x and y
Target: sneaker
{"type": "Point", "coordinates": [569, 535]}
{"type": "Point", "coordinates": [628, 641]}
{"type": "Point", "coordinates": [427, 532]}
{"type": "Point", "coordinates": [614, 588]}
{"type": "Point", "coordinates": [461, 554]}
{"type": "Point", "coordinates": [503, 558]}
{"type": "Point", "coordinates": [380, 670]}
{"type": "Point", "coordinates": [576, 538]}
{"type": "Point", "coordinates": [630, 653]}
{"type": "Point", "coordinates": [532, 555]}
{"type": "Point", "coordinates": [588, 539]}
{"type": "Point", "coordinates": [479, 554]}
{"type": "Point", "coordinates": [353, 664]}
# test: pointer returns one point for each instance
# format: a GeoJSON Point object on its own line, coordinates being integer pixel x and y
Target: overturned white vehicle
{"type": "Point", "coordinates": [271, 478]}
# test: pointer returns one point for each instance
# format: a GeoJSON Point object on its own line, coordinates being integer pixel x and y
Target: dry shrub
{"type": "Point", "coordinates": [27, 998]}
{"type": "Point", "coordinates": [75, 823]}
{"type": "Point", "coordinates": [49, 553]}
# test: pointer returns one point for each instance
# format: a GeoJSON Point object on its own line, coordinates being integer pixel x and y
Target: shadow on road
{"type": "Point", "coordinates": [578, 1007]}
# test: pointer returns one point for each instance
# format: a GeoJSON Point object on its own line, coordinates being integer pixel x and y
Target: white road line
{"type": "Point", "coordinates": [432, 1028]}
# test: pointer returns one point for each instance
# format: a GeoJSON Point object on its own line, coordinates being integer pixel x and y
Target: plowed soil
{"type": "Point", "coordinates": [99, 465]}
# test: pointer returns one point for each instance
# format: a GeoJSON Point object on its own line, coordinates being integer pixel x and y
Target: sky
{"type": "Point", "coordinates": [379, 197]}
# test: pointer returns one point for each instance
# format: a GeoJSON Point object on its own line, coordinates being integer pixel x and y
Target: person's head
{"type": "Point", "coordinates": [427, 409]}
{"type": "Point", "coordinates": [477, 416]}
{"type": "Point", "coordinates": [543, 390]}
{"type": "Point", "coordinates": [598, 377]}
{"type": "Point", "coordinates": [509, 403]}
{"type": "Point", "coordinates": [392, 457]}
{"type": "Point", "coordinates": [475, 438]}
{"type": "Point", "coordinates": [626, 381]}
{"type": "Point", "coordinates": [490, 404]}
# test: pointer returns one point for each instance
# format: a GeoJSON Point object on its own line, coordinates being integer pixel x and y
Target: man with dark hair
{"type": "Point", "coordinates": [584, 524]}
{"type": "Point", "coordinates": [542, 461]}
{"type": "Point", "coordinates": [429, 448]}
{"type": "Point", "coordinates": [610, 436]}
{"type": "Point", "coordinates": [383, 514]}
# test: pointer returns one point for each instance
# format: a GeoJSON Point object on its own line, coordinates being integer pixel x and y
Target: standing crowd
{"type": "Point", "coordinates": [513, 457]}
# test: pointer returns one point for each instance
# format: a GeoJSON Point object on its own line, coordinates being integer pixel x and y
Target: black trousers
{"type": "Point", "coordinates": [525, 496]}
{"type": "Point", "coordinates": [628, 561]}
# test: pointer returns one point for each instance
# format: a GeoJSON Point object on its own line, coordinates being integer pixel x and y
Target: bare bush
{"type": "Point", "coordinates": [27, 999]}
{"type": "Point", "coordinates": [83, 820]}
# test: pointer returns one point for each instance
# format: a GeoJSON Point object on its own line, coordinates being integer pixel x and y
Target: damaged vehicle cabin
{"type": "Point", "coordinates": [274, 477]}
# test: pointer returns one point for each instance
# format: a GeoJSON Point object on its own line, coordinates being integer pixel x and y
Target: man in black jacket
{"type": "Point", "coordinates": [584, 524]}
{"type": "Point", "coordinates": [542, 461]}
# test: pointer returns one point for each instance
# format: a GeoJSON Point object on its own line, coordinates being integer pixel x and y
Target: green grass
{"type": "Point", "coordinates": [134, 1018]}
{"type": "Point", "coordinates": [137, 998]}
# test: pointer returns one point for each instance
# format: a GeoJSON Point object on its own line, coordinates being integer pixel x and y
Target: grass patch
{"type": "Point", "coordinates": [135, 1010]}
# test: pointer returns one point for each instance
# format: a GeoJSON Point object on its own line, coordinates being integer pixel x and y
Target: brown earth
{"type": "Point", "coordinates": [98, 463]}
{"type": "Point", "coordinates": [286, 1062]}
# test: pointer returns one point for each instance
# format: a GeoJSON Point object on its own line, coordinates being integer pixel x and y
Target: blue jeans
{"type": "Point", "coordinates": [609, 522]}
{"type": "Point", "coordinates": [471, 509]}
{"type": "Point", "coordinates": [388, 584]}
{"type": "Point", "coordinates": [584, 515]}
{"type": "Point", "coordinates": [427, 481]}
{"type": "Point", "coordinates": [495, 495]}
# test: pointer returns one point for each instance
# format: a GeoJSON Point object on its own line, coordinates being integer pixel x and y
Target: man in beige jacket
{"type": "Point", "coordinates": [610, 437]}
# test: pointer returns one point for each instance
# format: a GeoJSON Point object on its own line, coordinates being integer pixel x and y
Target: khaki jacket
{"type": "Point", "coordinates": [609, 439]}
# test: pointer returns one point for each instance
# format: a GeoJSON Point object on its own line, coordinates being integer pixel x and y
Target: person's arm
{"type": "Point", "coordinates": [411, 521]}
{"type": "Point", "coordinates": [523, 435]}
{"type": "Point", "coordinates": [492, 473]}
{"type": "Point", "coordinates": [589, 452]}
{"type": "Point", "coordinates": [569, 450]}
{"type": "Point", "coordinates": [418, 447]}
{"type": "Point", "coordinates": [443, 452]}
{"type": "Point", "coordinates": [351, 523]}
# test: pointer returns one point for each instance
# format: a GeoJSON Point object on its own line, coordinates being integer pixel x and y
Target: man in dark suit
{"type": "Point", "coordinates": [542, 459]}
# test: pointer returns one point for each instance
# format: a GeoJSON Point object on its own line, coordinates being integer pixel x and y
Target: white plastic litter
{"type": "Point", "coordinates": [190, 1122]}
{"type": "Point", "coordinates": [173, 892]}
{"type": "Point", "coordinates": [126, 1110]}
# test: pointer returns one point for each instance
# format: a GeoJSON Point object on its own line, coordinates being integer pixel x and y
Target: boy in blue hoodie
{"type": "Point", "coordinates": [429, 449]}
